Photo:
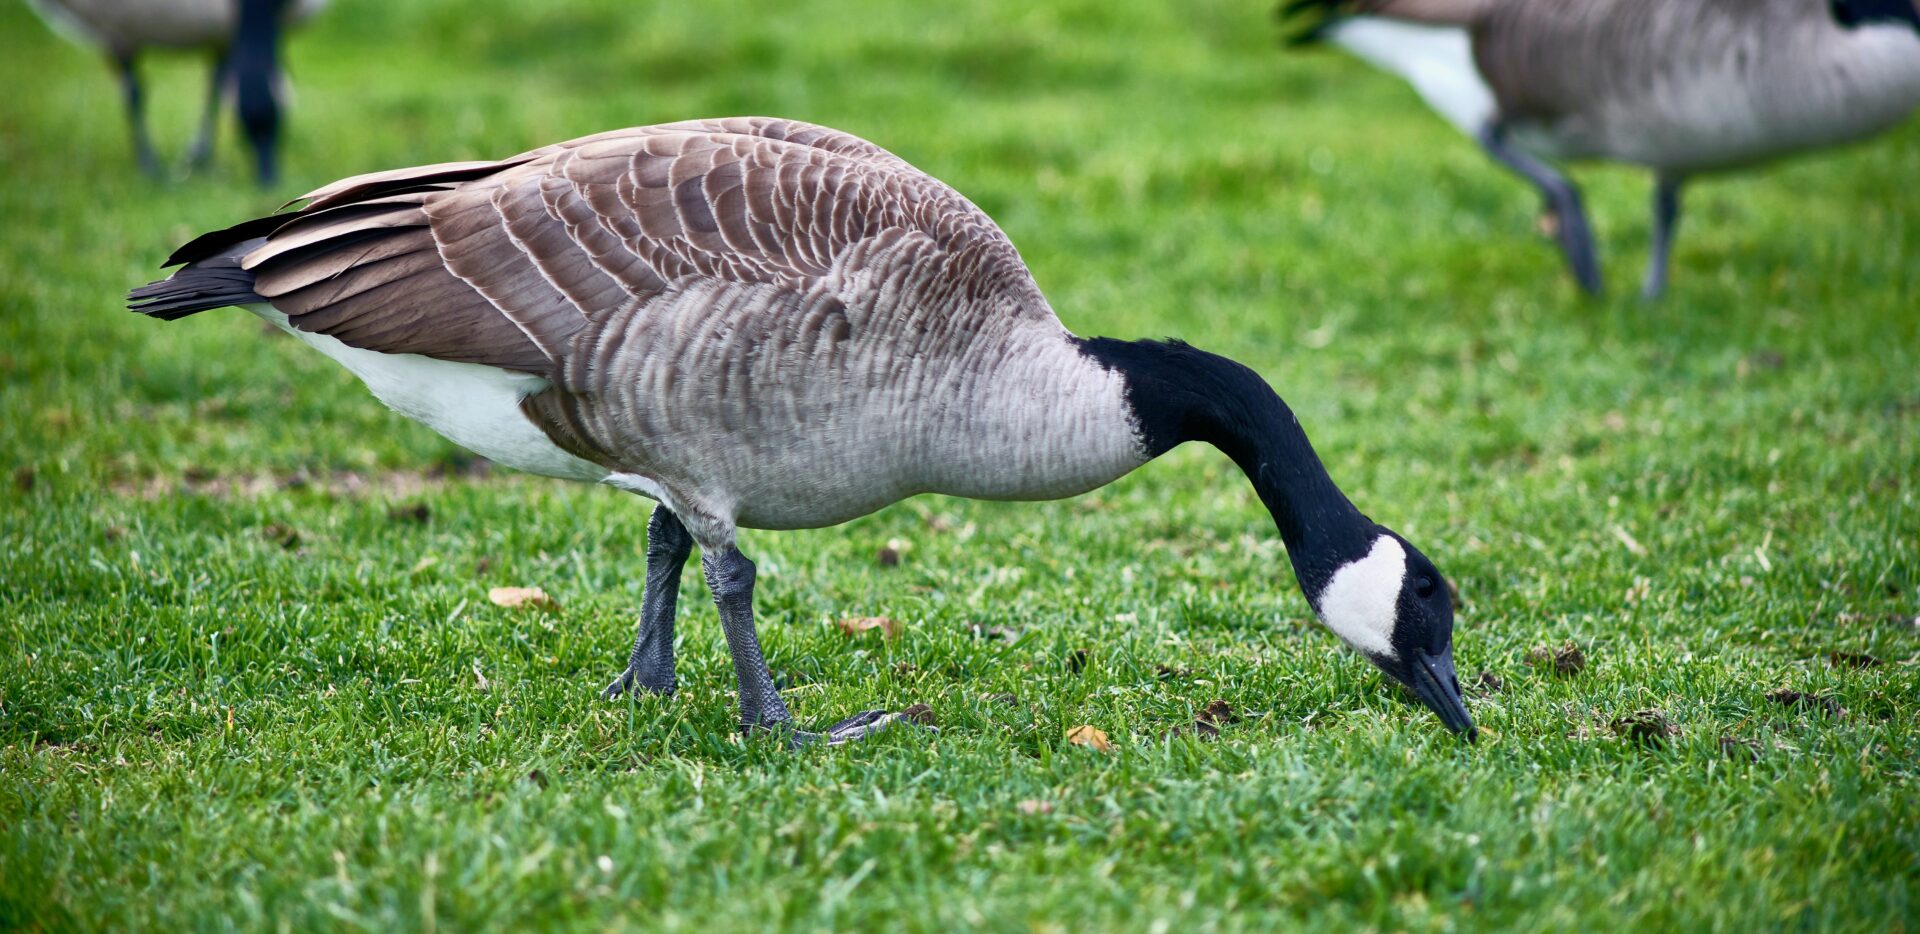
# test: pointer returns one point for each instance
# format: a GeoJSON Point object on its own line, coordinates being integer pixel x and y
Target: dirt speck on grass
{"type": "Point", "coordinates": [1649, 728]}
{"type": "Point", "coordinates": [1739, 750]}
{"type": "Point", "coordinates": [23, 479]}
{"type": "Point", "coordinates": [888, 556]}
{"type": "Point", "coordinates": [282, 534]}
{"type": "Point", "coordinates": [919, 713]}
{"type": "Point", "coordinates": [1819, 703]}
{"type": "Point", "coordinates": [1078, 659]}
{"type": "Point", "coordinates": [1489, 683]}
{"type": "Point", "coordinates": [1566, 660]}
{"type": "Point", "coordinates": [1170, 673]}
{"type": "Point", "coordinates": [413, 513]}
{"type": "Point", "coordinates": [1218, 712]}
{"type": "Point", "coordinates": [538, 778]}
{"type": "Point", "coordinates": [1009, 700]}
{"type": "Point", "coordinates": [1854, 660]}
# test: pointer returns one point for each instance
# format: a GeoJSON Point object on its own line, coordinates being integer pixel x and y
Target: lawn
{"type": "Point", "coordinates": [250, 676]}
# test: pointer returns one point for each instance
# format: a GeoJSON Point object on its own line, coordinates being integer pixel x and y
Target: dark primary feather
{"type": "Point", "coordinates": [212, 283]}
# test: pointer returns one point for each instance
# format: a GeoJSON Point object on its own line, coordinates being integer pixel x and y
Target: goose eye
{"type": "Point", "coordinates": [1423, 587]}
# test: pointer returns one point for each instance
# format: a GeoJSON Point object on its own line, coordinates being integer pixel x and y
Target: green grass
{"type": "Point", "coordinates": [201, 728]}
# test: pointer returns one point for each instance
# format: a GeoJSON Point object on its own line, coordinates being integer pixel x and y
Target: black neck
{"type": "Point", "coordinates": [1179, 393]}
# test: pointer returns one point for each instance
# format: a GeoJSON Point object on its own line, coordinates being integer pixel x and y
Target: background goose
{"type": "Point", "coordinates": [1682, 87]}
{"type": "Point", "coordinates": [767, 324]}
{"type": "Point", "coordinates": [242, 35]}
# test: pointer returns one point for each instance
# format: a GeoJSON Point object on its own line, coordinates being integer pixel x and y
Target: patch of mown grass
{"type": "Point", "coordinates": [242, 684]}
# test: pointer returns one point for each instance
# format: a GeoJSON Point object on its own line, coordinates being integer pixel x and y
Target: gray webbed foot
{"type": "Point", "coordinates": [857, 727]}
{"type": "Point", "coordinates": [634, 681]}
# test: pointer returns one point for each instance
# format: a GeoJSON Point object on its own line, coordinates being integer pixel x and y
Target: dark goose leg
{"type": "Point", "coordinates": [730, 575]}
{"type": "Point", "coordinates": [136, 114]}
{"type": "Point", "coordinates": [1666, 214]}
{"type": "Point", "coordinates": [1576, 238]}
{"type": "Point", "coordinates": [201, 152]}
{"type": "Point", "coordinates": [651, 664]}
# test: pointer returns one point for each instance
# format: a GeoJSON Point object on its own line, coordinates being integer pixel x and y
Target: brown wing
{"type": "Point", "coordinates": [507, 263]}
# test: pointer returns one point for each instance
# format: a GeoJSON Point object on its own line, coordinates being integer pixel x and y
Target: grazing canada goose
{"type": "Point", "coordinates": [1683, 87]}
{"type": "Point", "coordinates": [243, 35]}
{"type": "Point", "coordinates": [766, 324]}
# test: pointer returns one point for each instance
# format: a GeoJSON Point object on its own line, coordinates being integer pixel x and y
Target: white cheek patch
{"type": "Point", "coordinates": [1359, 603]}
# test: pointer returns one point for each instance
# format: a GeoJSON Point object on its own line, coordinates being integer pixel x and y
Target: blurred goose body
{"type": "Point", "coordinates": [1683, 87]}
{"type": "Point", "coordinates": [241, 35]}
{"type": "Point", "coordinates": [762, 323]}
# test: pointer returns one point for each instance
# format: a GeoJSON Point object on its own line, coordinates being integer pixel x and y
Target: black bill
{"type": "Point", "coordinates": [1435, 683]}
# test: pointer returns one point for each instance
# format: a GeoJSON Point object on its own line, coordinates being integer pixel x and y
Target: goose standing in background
{"type": "Point", "coordinates": [766, 324]}
{"type": "Point", "coordinates": [243, 36]}
{"type": "Point", "coordinates": [1683, 87]}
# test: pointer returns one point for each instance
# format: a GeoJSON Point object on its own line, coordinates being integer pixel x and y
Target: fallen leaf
{"type": "Point", "coordinates": [514, 598]}
{"type": "Point", "coordinates": [1032, 807]}
{"type": "Point", "coordinates": [1646, 727]}
{"type": "Point", "coordinates": [1086, 735]}
{"type": "Point", "coordinates": [857, 625]}
{"type": "Point", "coordinates": [1565, 661]}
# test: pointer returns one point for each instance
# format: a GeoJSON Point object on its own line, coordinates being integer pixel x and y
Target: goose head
{"type": "Point", "coordinates": [1390, 604]}
{"type": "Point", "coordinates": [1856, 13]}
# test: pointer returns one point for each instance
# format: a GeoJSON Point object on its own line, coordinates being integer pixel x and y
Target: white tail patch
{"type": "Point", "coordinates": [1360, 603]}
{"type": "Point", "coordinates": [474, 406]}
{"type": "Point", "coordinates": [1436, 60]}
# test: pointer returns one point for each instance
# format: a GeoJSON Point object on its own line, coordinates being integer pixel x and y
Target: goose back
{"type": "Point", "coordinates": [123, 26]}
{"type": "Point", "coordinates": [1692, 86]}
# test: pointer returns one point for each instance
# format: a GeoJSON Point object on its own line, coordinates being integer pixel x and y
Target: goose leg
{"type": "Point", "coordinates": [136, 113]}
{"type": "Point", "coordinates": [1666, 214]}
{"type": "Point", "coordinates": [730, 575]}
{"type": "Point", "coordinates": [650, 666]}
{"type": "Point", "coordinates": [1575, 237]}
{"type": "Point", "coordinates": [201, 152]}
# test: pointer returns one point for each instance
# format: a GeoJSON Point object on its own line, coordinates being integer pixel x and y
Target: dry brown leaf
{"type": "Point", "coordinates": [1088, 736]}
{"type": "Point", "coordinates": [863, 624]}
{"type": "Point", "coordinates": [514, 598]}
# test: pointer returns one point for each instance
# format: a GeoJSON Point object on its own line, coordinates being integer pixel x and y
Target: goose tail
{"type": "Point", "coordinates": [211, 277]}
{"type": "Point", "coordinates": [1433, 51]}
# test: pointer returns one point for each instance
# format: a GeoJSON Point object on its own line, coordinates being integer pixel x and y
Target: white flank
{"type": "Point", "coordinates": [474, 406]}
{"type": "Point", "coordinates": [1436, 60]}
{"type": "Point", "coordinates": [1359, 603]}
